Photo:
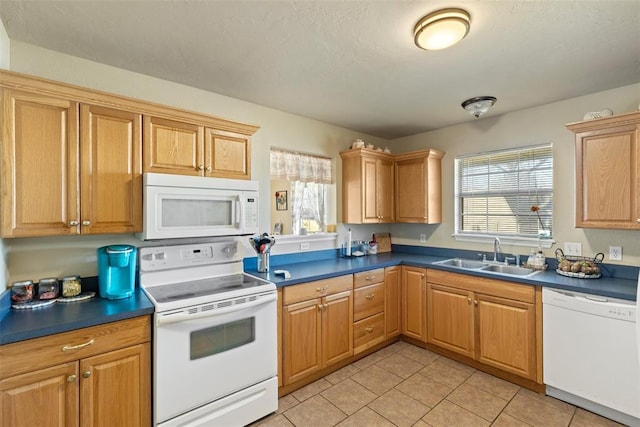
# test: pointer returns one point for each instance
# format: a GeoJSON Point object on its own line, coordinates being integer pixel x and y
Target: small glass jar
{"type": "Point", "coordinates": [71, 286]}
{"type": "Point", "coordinates": [22, 291]}
{"type": "Point", "coordinates": [48, 288]}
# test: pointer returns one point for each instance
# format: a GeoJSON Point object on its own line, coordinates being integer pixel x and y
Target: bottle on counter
{"type": "Point", "coordinates": [531, 261]}
{"type": "Point", "coordinates": [540, 260]}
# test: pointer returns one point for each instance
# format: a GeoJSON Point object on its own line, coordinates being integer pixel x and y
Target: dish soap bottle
{"type": "Point", "coordinates": [540, 260]}
{"type": "Point", "coordinates": [531, 261]}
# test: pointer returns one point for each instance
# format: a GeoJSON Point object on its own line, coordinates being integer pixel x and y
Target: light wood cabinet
{"type": "Point", "coordinates": [414, 303]}
{"type": "Point", "coordinates": [95, 376]}
{"type": "Point", "coordinates": [317, 323]}
{"type": "Point", "coordinates": [608, 172]}
{"type": "Point", "coordinates": [490, 321]}
{"type": "Point", "coordinates": [183, 148]}
{"type": "Point", "coordinates": [367, 187]}
{"type": "Point", "coordinates": [368, 309]}
{"type": "Point", "coordinates": [392, 302]}
{"type": "Point", "coordinates": [69, 168]}
{"type": "Point", "coordinates": [418, 187]}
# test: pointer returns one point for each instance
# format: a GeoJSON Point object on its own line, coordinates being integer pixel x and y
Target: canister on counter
{"type": "Point", "coordinates": [71, 286]}
{"type": "Point", "coordinates": [48, 288]}
{"type": "Point", "coordinates": [22, 291]}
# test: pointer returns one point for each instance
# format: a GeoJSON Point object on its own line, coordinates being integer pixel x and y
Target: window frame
{"type": "Point", "coordinates": [509, 238]}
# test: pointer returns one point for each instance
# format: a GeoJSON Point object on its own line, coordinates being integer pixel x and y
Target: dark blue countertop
{"type": "Point", "coordinates": [614, 287]}
{"type": "Point", "coordinates": [19, 325]}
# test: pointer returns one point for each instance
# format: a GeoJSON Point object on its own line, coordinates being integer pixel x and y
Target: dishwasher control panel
{"type": "Point", "coordinates": [594, 305]}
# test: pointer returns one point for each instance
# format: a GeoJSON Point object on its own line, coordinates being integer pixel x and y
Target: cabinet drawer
{"type": "Point", "coordinates": [39, 353]}
{"type": "Point", "coordinates": [368, 301]}
{"type": "Point", "coordinates": [318, 288]}
{"type": "Point", "coordinates": [366, 278]}
{"type": "Point", "coordinates": [368, 332]}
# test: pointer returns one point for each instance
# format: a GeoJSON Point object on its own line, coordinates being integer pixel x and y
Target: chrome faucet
{"type": "Point", "coordinates": [496, 249]}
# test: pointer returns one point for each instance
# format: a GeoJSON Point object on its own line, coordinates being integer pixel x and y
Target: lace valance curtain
{"type": "Point", "coordinates": [294, 166]}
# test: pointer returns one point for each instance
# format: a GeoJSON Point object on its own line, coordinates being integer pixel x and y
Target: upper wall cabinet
{"type": "Point", "coordinates": [418, 186]}
{"type": "Point", "coordinates": [608, 172]}
{"type": "Point", "coordinates": [69, 168]}
{"type": "Point", "coordinates": [367, 186]}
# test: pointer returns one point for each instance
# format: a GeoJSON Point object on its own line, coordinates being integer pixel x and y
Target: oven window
{"type": "Point", "coordinates": [218, 339]}
{"type": "Point", "coordinates": [195, 213]}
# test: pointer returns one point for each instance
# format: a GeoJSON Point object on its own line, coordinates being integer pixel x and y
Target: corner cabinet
{"type": "Point", "coordinates": [94, 376]}
{"type": "Point", "coordinates": [495, 323]}
{"type": "Point", "coordinates": [65, 164]}
{"type": "Point", "coordinates": [367, 187]}
{"type": "Point", "coordinates": [608, 172]}
{"type": "Point", "coordinates": [414, 303]}
{"type": "Point", "coordinates": [418, 187]}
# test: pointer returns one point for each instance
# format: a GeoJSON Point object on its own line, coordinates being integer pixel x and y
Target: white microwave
{"type": "Point", "coordinates": [179, 206]}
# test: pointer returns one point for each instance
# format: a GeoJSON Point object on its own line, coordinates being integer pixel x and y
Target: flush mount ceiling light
{"type": "Point", "coordinates": [479, 105]}
{"type": "Point", "coordinates": [441, 29]}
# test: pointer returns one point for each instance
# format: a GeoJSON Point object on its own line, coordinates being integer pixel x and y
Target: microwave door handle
{"type": "Point", "coordinates": [238, 213]}
{"type": "Point", "coordinates": [182, 317]}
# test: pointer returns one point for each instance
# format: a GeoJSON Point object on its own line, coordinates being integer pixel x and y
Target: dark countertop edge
{"type": "Point", "coordinates": [18, 325]}
{"type": "Point", "coordinates": [625, 289]}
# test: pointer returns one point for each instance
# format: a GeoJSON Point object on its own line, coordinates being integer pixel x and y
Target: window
{"type": "Point", "coordinates": [306, 177]}
{"type": "Point", "coordinates": [505, 193]}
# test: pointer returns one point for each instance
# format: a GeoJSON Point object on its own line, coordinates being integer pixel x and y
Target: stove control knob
{"type": "Point", "coordinates": [160, 256]}
{"type": "Point", "coordinates": [230, 250]}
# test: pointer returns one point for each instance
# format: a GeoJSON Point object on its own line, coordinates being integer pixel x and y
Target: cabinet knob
{"type": "Point", "coordinates": [369, 329]}
{"type": "Point", "coordinates": [475, 301]}
{"type": "Point", "coordinates": [370, 296]}
{"type": "Point", "coordinates": [73, 223]}
{"type": "Point", "coordinates": [71, 378]}
{"type": "Point", "coordinates": [86, 374]}
{"type": "Point", "coordinates": [209, 168]}
{"type": "Point", "coordinates": [637, 219]}
{"type": "Point", "coordinates": [86, 223]}
{"type": "Point", "coordinates": [200, 168]}
{"type": "Point", "coordinates": [469, 300]}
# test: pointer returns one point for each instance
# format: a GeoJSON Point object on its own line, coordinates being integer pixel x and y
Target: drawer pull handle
{"type": "Point", "coordinates": [469, 300]}
{"type": "Point", "coordinates": [86, 374]}
{"type": "Point", "coordinates": [370, 296]}
{"type": "Point", "coordinates": [322, 307]}
{"type": "Point", "coordinates": [475, 302]}
{"type": "Point", "coordinates": [369, 329]}
{"type": "Point", "coordinates": [71, 378]}
{"type": "Point", "coordinates": [75, 347]}
{"type": "Point", "coordinates": [322, 289]}
{"type": "Point", "coordinates": [370, 278]}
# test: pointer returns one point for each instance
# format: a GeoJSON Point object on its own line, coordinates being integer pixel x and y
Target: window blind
{"type": "Point", "coordinates": [507, 192]}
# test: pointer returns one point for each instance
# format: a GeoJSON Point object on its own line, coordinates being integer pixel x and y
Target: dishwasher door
{"type": "Point", "coordinates": [590, 353]}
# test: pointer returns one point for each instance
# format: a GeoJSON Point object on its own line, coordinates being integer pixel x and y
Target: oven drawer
{"type": "Point", "coordinates": [39, 353]}
{"type": "Point", "coordinates": [368, 301]}
{"type": "Point", "coordinates": [368, 332]}
{"type": "Point", "coordinates": [366, 278]}
{"type": "Point", "coordinates": [319, 288]}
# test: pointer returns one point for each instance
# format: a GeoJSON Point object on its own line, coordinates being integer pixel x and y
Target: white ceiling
{"type": "Point", "coordinates": [351, 63]}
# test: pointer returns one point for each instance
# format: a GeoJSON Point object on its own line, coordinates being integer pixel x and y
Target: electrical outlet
{"type": "Point", "coordinates": [571, 248]}
{"type": "Point", "coordinates": [423, 238]}
{"type": "Point", "coordinates": [304, 246]}
{"type": "Point", "coordinates": [615, 253]}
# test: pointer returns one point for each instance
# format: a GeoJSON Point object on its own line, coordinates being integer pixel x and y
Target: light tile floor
{"type": "Point", "coordinates": [404, 385]}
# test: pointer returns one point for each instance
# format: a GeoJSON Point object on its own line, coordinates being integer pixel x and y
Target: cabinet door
{"type": "Point", "coordinates": [111, 170]}
{"type": "Point", "coordinates": [40, 178]}
{"type": "Point", "coordinates": [414, 304]}
{"type": "Point", "coordinates": [450, 318]}
{"type": "Point", "coordinates": [337, 327]}
{"type": "Point", "coordinates": [392, 301]}
{"type": "Point", "coordinates": [608, 178]}
{"type": "Point", "coordinates": [115, 388]}
{"type": "Point", "coordinates": [370, 190]}
{"type": "Point", "coordinates": [174, 147]}
{"type": "Point", "coordinates": [47, 397]}
{"type": "Point", "coordinates": [418, 187]}
{"type": "Point", "coordinates": [385, 190]}
{"type": "Point", "coordinates": [227, 155]}
{"type": "Point", "coordinates": [301, 341]}
{"type": "Point", "coordinates": [506, 335]}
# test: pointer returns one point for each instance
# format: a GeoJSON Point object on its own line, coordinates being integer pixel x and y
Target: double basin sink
{"type": "Point", "coordinates": [488, 267]}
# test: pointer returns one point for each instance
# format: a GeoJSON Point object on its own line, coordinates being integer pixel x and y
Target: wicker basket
{"type": "Point", "coordinates": [597, 259]}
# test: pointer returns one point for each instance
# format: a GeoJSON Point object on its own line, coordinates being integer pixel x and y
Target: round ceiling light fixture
{"type": "Point", "coordinates": [479, 105]}
{"type": "Point", "coordinates": [441, 29]}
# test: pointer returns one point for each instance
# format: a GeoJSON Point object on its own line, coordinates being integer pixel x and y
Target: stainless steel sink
{"type": "Point", "coordinates": [510, 270]}
{"type": "Point", "coordinates": [487, 267]}
{"type": "Point", "coordinates": [461, 263]}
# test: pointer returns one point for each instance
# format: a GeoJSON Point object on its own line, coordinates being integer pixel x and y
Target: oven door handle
{"type": "Point", "coordinates": [181, 316]}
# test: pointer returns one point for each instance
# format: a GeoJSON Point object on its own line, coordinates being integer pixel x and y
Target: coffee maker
{"type": "Point", "coordinates": [117, 271]}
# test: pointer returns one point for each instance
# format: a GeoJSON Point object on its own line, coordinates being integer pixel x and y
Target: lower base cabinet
{"type": "Point", "coordinates": [414, 304]}
{"type": "Point", "coordinates": [493, 322]}
{"type": "Point", "coordinates": [69, 379]}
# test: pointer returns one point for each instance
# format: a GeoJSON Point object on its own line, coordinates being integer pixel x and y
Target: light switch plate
{"type": "Point", "coordinates": [573, 248]}
{"type": "Point", "coordinates": [615, 253]}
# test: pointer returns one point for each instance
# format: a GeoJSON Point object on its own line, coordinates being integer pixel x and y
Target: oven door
{"type": "Point", "coordinates": [202, 356]}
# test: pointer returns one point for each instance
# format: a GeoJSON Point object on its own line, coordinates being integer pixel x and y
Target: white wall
{"type": "Point", "coordinates": [521, 128]}
{"type": "Point", "coordinates": [32, 258]}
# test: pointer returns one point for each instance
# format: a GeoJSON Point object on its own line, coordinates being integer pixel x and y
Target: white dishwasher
{"type": "Point", "coordinates": [590, 350]}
